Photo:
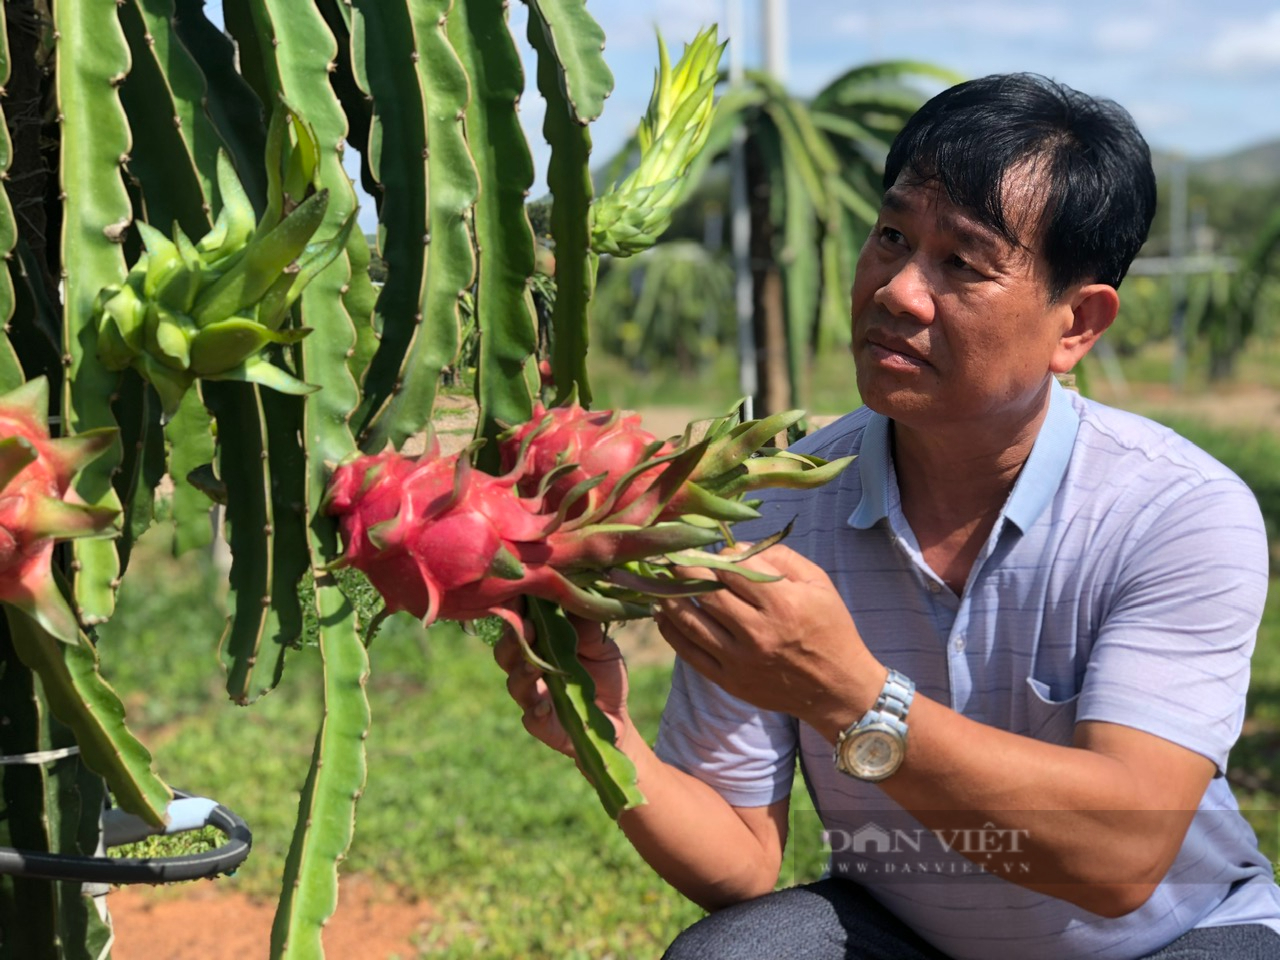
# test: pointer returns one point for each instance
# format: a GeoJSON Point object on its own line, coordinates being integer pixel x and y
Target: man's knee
{"type": "Point", "coordinates": [787, 924]}
{"type": "Point", "coordinates": [765, 927]}
{"type": "Point", "coordinates": [811, 922]}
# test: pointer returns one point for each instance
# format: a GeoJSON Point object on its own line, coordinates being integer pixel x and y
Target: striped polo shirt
{"type": "Point", "coordinates": [1123, 581]}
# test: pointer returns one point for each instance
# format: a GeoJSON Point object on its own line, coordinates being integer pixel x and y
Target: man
{"type": "Point", "coordinates": [1021, 621]}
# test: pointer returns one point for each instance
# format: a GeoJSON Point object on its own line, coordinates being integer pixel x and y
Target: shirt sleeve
{"type": "Point", "coordinates": [1172, 656]}
{"type": "Point", "coordinates": [745, 754]}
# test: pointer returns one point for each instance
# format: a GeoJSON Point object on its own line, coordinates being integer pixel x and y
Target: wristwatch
{"type": "Point", "coordinates": [874, 747]}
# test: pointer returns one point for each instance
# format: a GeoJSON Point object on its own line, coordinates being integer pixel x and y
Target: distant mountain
{"type": "Point", "coordinates": [1258, 165]}
{"type": "Point", "coordinates": [1252, 166]}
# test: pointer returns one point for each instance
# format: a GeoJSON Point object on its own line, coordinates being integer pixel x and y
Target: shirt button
{"type": "Point", "coordinates": [958, 644]}
{"type": "Point", "coordinates": [935, 587]}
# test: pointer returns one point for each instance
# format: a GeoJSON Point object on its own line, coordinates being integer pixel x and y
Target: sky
{"type": "Point", "coordinates": [1201, 77]}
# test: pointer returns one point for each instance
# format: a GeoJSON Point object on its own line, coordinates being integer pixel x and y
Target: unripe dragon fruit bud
{"type": "Point", "coordinates": [38, 507]}
{"type": "Point", "coordinates": [631, 216]}
{"type": "Point", "coordinates": [214, 309]}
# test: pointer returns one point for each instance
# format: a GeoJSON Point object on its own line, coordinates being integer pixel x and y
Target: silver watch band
{"type": "Point", "coordinates": [894, 701]}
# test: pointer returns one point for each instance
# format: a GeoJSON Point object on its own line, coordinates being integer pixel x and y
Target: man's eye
{"type": "Point", "coordinates": [959, 262]}
{"type": "Point", "coordinates": [891, 235]}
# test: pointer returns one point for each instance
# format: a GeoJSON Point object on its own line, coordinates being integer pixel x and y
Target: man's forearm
{"type": "Point", "coordinates": [694, 839]}
{"type": "Point", "coordinates": [1095, 830]}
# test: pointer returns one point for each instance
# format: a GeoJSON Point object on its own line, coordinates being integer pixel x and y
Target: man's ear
{"type": "Point", "coordinates": [1093, 307]}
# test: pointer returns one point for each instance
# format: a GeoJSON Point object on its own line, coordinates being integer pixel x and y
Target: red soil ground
{"type": "Point", "coordinates": [372, 923]}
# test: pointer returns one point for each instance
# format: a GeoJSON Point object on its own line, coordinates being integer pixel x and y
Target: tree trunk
{"type": "Point", "coordinates": [767, 311]}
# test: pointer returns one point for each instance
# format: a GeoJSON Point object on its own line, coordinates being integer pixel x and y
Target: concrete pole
{"type": "Point", "coordinates": [775, 39]}
{"type": "Point", "coordinates": [1178, 278]}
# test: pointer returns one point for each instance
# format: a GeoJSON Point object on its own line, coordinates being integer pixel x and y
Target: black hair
{"type": "Point", "coordinates": [1093, 166]}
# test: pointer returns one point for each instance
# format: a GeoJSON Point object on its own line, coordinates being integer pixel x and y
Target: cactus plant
{"type": "Point", "coordinates": [204, 311]}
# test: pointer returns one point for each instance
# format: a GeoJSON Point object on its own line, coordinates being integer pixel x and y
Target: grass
{"type": "Point", "coordinates": [829, 386]}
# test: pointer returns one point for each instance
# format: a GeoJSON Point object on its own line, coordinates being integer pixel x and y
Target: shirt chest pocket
{"type": "Point", "coordinates": [1049, 720]}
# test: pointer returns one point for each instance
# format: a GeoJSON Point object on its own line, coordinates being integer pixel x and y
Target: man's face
{"type": "Point", "coordinates": [950, 321]}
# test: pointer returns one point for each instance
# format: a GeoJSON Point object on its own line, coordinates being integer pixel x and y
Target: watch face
{"type": "Point", "coordinates": [873, 753]}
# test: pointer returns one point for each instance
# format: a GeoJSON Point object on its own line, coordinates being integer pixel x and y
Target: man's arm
{"type": "Point", "coordinates": [1101, 820]}
{"type": "Point", "coordinates": [714, 853]}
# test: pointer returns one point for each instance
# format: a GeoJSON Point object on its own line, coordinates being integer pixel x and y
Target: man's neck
{"type": "Point", "coordinates": [954, 481]}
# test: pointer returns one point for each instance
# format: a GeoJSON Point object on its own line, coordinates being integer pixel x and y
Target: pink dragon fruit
{"type": "Point", "coordinates": [566, 445]}
{"type": "Point", "coordinates": [591, 513]}
{"type": "Point", "coordinates": [37, 506]}
{"type": "Point", "coordinates": [445, 541]}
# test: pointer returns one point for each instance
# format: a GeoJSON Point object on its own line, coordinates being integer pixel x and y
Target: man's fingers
{"type": "Point", "coordinates": [782, 560]}
{"type": "Point", "coordinates": [685, 648]}
{"type": "Point", "coordinates": [507, 652]}
{"type": "Point", "coordinates": [688, 624]}
{"type": "Point", "coordinates": [522, 681]}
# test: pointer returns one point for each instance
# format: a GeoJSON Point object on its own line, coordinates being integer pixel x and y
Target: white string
{"type": "Point", "coordinates": [42, 756]}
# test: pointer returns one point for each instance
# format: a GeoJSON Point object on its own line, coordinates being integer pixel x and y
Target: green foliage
{"type": "Point", "coordinates": [1146, 312]}
{"type": "Point", "coordinates": [672, 304]}
{"type": "Point", "coordinates": [1253, 455]}
{"type": "Point", "coordinates": [1230, 210]}
{"type": "Point", "coordinates": [1231, 312]}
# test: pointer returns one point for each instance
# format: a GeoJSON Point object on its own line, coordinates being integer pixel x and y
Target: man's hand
{"type": "Point", "coordinates": [788, 645]}
{"type": "Point", "coordinates": [602, 660]}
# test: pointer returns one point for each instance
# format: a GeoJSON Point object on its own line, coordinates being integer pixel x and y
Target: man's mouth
{"type": "Point", "coordinates": [892, 351]}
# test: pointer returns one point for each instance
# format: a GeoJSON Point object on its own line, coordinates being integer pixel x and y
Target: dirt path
{"type": "Point", "coordinates": [199, 920]}
{"type": "Point", "coordinates": [1243, 406]}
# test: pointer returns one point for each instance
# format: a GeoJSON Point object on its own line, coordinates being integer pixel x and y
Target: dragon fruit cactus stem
{"type": "Point", "coordinates": [38, 507]}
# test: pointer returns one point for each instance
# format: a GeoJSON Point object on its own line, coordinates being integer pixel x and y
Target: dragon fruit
{"type": "Point", "coordinates": [443, 540]}
{"type": "Point", "coordinates": [566, 445]}
{"type": "Point", "coordinates": [38, 507]}
{"type": "Point", "coordinates": [592, 512]}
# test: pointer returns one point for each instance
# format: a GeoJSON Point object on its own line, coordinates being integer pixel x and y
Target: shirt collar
{"type": "Point", "coordinates": [873, 470]}
{"type": "Point", "coordinates": [1034, 489]}
{"type": "Point", "coordinates": [1043, 472]}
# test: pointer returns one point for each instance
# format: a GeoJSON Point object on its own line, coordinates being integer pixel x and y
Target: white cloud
{"type": "Point", "coordinates": [1129, 35]}
{"type": "Point", "coordinates": [1247, 46]}
{"type": "Point", "coordinates": [1154, 117]}
{"type": "Point", "coordinates": [990, 18]}
{"type": "Point", "coordinates": [1011, 19]}
{"type": "Point", "coordinates": [854, 24]}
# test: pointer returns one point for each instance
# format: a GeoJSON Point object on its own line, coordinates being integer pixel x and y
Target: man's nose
{"type": "Point", "coordinates": [908, 292]}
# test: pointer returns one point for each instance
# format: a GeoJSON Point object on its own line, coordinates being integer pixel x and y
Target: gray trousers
{"type": "Point", "coordinates": [838, 920]}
